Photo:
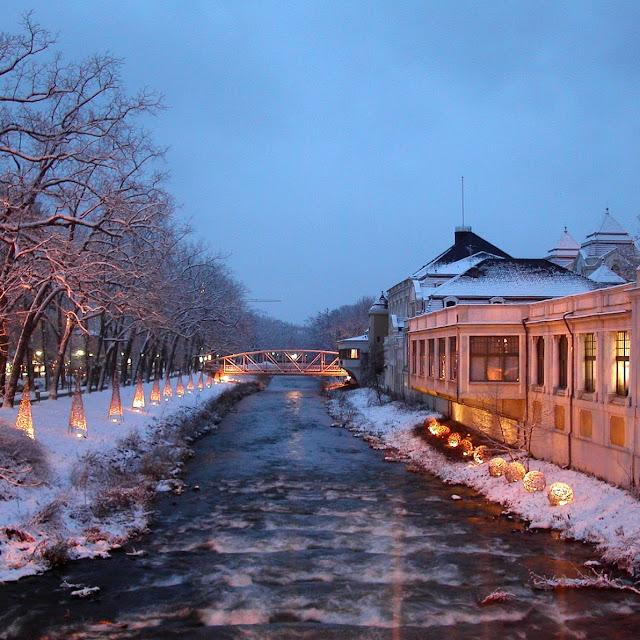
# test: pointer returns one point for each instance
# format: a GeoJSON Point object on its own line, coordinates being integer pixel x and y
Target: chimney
{"type": "Point", "coordinates": [461, 233]}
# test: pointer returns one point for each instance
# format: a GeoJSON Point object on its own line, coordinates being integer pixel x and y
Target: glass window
{"type": "Point", "coordinates": [494, 359]}
{"type": "Point", "coordinates": [453, 358]}
{"type": "Point", "coordinates": [432, 358]}
{"type": "Point", "coordinates": [540, 361]}
{"type": "Point", "coordinates": [590, 362]}
{"type": "Point", "coordinates": [414, 356]}
{"type": "Point", "coordinates": [563, 361]}
{"type": "Point", "coordinates": [354, 354]}
{"type": "Point", "coordinates": [623, 348]}
{"type": "Point", "coordinates": [422, 357]}
{"type": "Point", "coordinates": [442, 358]}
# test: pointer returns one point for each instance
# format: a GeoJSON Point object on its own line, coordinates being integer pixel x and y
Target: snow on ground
{"type": "Point", "coordinates": [600, 513]}
{"type": "Point", "coordinates": [19, 556]}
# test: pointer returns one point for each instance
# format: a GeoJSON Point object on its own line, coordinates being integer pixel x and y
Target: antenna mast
{"type": "Point", "coordinates": [462, 193]}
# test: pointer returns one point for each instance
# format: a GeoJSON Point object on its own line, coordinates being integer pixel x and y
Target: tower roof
{"type": "Point", "coordinates": [565, 251]}
{"type": "Point", "coordinates": [609, 233]}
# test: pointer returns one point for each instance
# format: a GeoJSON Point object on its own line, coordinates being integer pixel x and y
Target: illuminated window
{"type": "Point", "coordinates": [589, 362]}
{"type": "Point", "coordinates": [453, 358]}
{"type": "Point", "coordinates": [354, 354]}
{"type": "Point", "coordinates": [432, 358]}
{"type": "Point", "coordinates": [540, 361]}
{"type": "Point", "coordinates": [442, 358]}
{"type": "Point", "coordinates": [563, 361]}
{"type": "Point", "coordinates": [623, 348]}
{"type": "Point", "coordinates": [494, 359]}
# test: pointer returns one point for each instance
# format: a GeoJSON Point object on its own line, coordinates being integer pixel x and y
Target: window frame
{"type": "Point", "coordinates": [493, 354]}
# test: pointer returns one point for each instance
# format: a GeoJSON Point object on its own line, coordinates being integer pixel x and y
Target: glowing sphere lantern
{"type": "Point", "coordinates": [443, 431]}
{"type": "Point", "coordinates": [454, 439]}
{"type": "Point", "coordinates": [138, 397]}
{"type": "Point", "coordinates": [497, 467]}
{"type": "Point", "coordinates": [77, 419]}
{"type": "Point", "coordinates": [560, 494]}
{"type": "Point", "coordinates": [115, 406]}
{"type": "Point", "coordinates": [432, 425]}
{"type": "Point", "coordinates": [154, 397]}
{"type": "Point", "coordinates": [200, 385]}
{"type": "Point", "coordinates": [190, 385]}
{"type": "Point", "coordinates": [24, 421]}
{"type": "Point", "coordinates": [180, 387]}
{"type": "Point", "coordinates": [167, 391]}
{"type": "Point", "coordinates": [466, 446]}
{"type": "Point", "coordinates": [534, 481]}
{"type": "Point", "coordinates": [481, 454]}
{"type": "Point", "coordinates": [515, 471]}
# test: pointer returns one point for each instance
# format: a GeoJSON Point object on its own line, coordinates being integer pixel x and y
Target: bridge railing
{"type": "Point", "coordinates": [305, 362]}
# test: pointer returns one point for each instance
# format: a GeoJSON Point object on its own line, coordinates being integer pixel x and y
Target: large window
{"type": "Point", "coordinates": [589, 362]}
{"type": "Point", "coordinates": [422, 358]}
{"type": "Point", "coordinates": [414, 357]}
{"type": "Point", "coordinates": [540, 361]}
{"type": "Point", "coordinates": [494, 359]}
{"type": "Point", "coordinates": [432, 357]}
{"type": "Point", "coordinates": [442, 358]}
{"type": "Point", "coordinates": [623, 348]}
{"type": "Point", "coordinates": [563, 362]}
{"type": "Point", "coordinates": [453, 358]}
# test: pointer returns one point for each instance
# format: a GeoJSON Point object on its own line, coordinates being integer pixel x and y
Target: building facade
{"type": "Point", "coordinates": [559, 376]}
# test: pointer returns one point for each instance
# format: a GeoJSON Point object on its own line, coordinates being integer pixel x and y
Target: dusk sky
{"type": "Point", "coordinates": [321, 144]}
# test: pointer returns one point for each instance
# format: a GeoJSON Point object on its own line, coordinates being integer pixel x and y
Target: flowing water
{"type": "Point", "coordinates": [299, 530]}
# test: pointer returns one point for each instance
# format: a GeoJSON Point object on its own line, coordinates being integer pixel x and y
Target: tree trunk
{"type": "Point", "coordinates": [58, 363]}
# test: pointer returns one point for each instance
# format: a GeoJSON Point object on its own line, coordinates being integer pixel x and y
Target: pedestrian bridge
{"type": "Point", "coordinates": [302, 362]}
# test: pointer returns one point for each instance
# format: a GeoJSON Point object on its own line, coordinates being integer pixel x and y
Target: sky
{"type": "Point", "coordinates": [321, 145]}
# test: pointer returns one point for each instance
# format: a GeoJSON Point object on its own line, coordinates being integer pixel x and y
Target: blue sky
{"type": "Point", "coordinates": [321, 144]}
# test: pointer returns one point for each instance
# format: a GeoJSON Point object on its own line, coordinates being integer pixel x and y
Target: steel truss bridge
{"type": "Point", "coordinates": [279, 363]}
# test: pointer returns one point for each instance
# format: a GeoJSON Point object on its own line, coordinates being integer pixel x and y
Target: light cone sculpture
{"type": "Point", "coordinates": [77, 419]}
{"type": "Point", "coordinates": [180, 387]}
{"type": "Point", "coordinates": [138, 403]}
{"type": "Point", "coordinates": [24, 421]}
{"type": "Point", "coordinates": [209, 381]}
{"type": "Point", "coordinates": [190, 385]}
{"type": "Point", "coordinates": [200, 385]}
{"type": "Point", "coordinates": [115, 407]}
{"type": "Point", "coordinates": [167, 392]}
{"type": "Point", "coordinates": [154, 398]}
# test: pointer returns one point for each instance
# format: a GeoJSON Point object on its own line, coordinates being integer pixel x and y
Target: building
{"type": "Point", "coordinates": [559, 376]}
{"type": "Point", "coordinates": [410, 297]}
{"type": "Point", "coordinates": [354, 356]}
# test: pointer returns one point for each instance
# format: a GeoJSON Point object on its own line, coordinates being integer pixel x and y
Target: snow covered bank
{"type": "Point", "coordinates": [98, 490]}
{"type": "Point", "coordinates": [602, 514]}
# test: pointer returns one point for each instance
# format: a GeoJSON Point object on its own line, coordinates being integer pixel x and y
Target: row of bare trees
{"type": "Point", "coordinates": [90, 246]}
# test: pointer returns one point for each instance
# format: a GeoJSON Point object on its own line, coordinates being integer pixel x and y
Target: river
{"type": "Point", "coordinates": [292, 529]}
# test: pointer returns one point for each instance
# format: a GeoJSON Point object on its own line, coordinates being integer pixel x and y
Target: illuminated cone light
{"type": "Point", "coordinates": [209, 381]}
{"type": "Point", "coordinates": [200, 385]}
{"type": "Point", "coordinates": [534, 481]}
{"type": "Point", "coordinates": [167, 392]}
{"type": "Point", "coordinates": [115, 408]}
{"type": "Point", "coordinates": [481, 454]}
{"type": "Point", "coordinates": [180, 387]}
{"type": "Point", "coordinates": [515, 471]}
{"type": "Point", "coordinates": [560, 494]}
{"type": "Point", "coordinates": [154, 398]}
{"type": "Point", "coordinates": [77, 420]}
{"type": "Point", "coordinates": [138, 397]}
{"type": "Point", "coordinates": [24, 421]}
{"type": "Point", "coordinates": [190, 386]}
{"type": "Point", "coordinates": [497, 467]}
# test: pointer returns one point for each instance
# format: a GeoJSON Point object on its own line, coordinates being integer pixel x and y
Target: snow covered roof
{"type": "Point", "coordinates": [514, 278]}
{"type": "Point", "coordinates": [364, 336]}
{"type": "Point", "coordinates": [565, 251]}
{"type": "Point", "coordinates": [604, 275]}
{"type": "Point", "coordinates": [609, 232]}
{"type": "Point", "coordinates": [381, 305]}
{"type": "Point", "coordinates": [457, 267]}
{"type": "Point", "coordinates": [466, 244]}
